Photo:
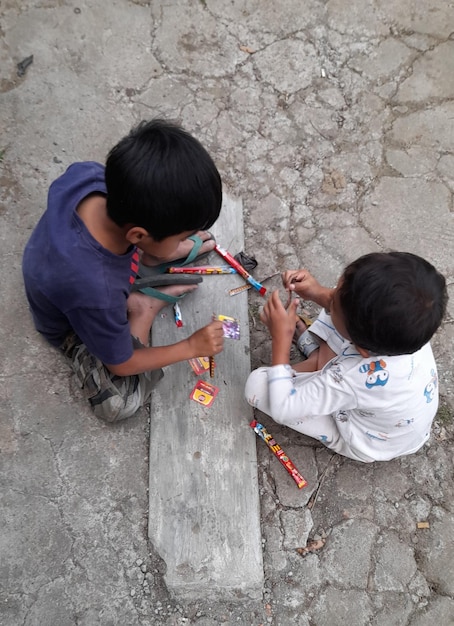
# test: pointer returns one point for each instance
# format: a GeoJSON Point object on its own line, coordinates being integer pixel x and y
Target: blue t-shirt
{"type": "Point", "coordinates": [72, 282]}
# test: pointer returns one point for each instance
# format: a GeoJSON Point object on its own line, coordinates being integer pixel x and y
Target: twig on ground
{"type": "Point", "coordinates": [314, 496]}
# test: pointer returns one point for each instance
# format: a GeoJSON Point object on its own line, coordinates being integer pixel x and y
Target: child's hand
{"type": "Point", "coordinates": [280, 321]}
{"type": "Point", "coordinates": [302, 283]}
{"type": "Point", "coordinates": [305, 286]}
{"type": "Point", "coordinates": [207, 341]}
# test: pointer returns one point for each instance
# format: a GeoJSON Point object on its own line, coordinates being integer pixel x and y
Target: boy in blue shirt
{"type": "Point", "coordinates": [158, 193]}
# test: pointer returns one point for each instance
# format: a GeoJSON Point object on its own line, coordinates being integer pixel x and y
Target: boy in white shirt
{"type": "Point", "coordinates": [368, 388]}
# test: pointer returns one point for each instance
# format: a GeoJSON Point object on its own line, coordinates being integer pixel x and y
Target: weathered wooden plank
{"type": "Point", "coordinates": [204, 507]}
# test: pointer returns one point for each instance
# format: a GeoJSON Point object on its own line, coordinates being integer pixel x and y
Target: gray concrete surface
{"type": "Point", "coordinates": [333, 121]}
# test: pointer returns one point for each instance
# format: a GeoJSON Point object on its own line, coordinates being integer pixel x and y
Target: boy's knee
{"type": "Point", "coordinates": [111, 409]}
{"type": "Point", "coordinates": [112, 398]}
{"type": "Point", "coordinates": [121, 399]}
{"type": "Point", "coordinates": [256, 386]}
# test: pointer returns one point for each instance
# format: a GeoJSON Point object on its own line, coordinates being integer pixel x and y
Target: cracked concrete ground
{"type": "Point", "coordinates": [333, 121]}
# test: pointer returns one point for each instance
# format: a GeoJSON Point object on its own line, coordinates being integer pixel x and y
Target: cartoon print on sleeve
{"type": "Point", "coordinates": [334, 371]}
{"type": "Point", "coordinates": [376, 435]}
{"type": "Point", "coordinates": [377, 375]}
{"type": "Point", "coordinates": [404, 422]}
{"type": "Point", "coordinates": [429, 389]}
{"type": "Point", "coordinates": [341, 416]}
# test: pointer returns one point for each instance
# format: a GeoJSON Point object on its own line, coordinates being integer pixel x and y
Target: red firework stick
{"type": "Point", "coordinates": [240, 269]}
{"type": "Point", "coordinates": [235, 290]}
{"type": "Point", "coordinates": [279, 453]}
{"type": "Point", "coordinates": [201, 269]}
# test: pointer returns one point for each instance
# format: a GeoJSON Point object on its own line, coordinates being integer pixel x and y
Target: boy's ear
{"type": "Point", "coordinates": [135, 234]}
{"type": "Point", "coordinates": [363, 352]}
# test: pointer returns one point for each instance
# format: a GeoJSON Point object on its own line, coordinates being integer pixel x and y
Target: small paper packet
{"type": "Point", "coordinates": [204, 393]}
{"type": "Point", "coordinates": [230, 326]}
{"type": "Point", "coordinates": [200, 364]}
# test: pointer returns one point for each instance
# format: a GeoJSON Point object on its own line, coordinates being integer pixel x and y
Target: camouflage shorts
{"type": "Point", "coordinates": [112, 398]}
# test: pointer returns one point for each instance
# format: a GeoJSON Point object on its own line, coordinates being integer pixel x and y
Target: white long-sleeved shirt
{"type": "Point", "coordinates": [383, 406]}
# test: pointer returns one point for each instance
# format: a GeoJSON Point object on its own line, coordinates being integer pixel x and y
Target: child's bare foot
{"type": "Point", "coordinates": [140, 303]}
{"type": "Point", "coordinates": [300, 327]}
{"type": "Point", "coordinates": [142, 309]}
{"type": "Point", "coordinates": [183, 249]}
{"type": "Point", "coordinates": [309, 364]}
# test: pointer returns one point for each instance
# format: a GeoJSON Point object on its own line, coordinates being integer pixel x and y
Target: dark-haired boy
{"type": "Point", "coordinates": [368, 388]}
{"type": "Point", "coordinates": [158, 193]}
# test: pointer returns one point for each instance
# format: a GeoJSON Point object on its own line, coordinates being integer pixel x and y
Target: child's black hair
{"type": "Point", "coordinates": [161, 178]}
{"type": "Point", "coordinates": [392, 302]}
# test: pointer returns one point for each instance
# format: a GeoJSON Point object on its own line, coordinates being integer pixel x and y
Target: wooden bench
{"type": "Point", "coordinates": [204, 518]}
